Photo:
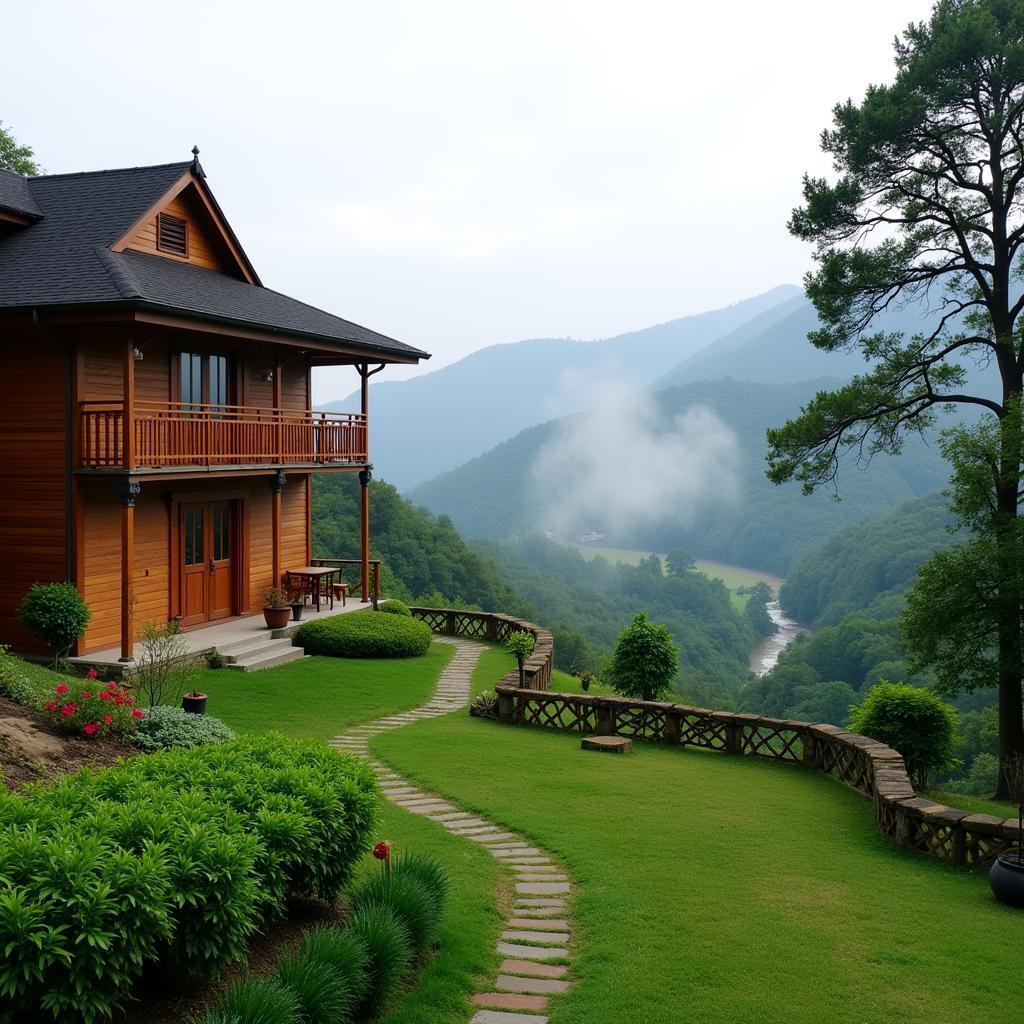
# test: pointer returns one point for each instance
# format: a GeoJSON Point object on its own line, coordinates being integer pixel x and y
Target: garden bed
{"type": "Point", "coordinates": [32, 750]}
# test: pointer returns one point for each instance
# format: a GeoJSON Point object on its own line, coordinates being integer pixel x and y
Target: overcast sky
{"type": "Point", "coordinates": [457, 174]}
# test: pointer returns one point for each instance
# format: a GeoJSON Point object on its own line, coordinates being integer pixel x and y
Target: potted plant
{"type": "Point", "coordinates": [297, 602]}
{"type": "Point", "coordinates": [1006, 875]}
{"type": "Point", "coordinates": [194, 703]}
{"type": "Point", "coordinates": [276, 608]}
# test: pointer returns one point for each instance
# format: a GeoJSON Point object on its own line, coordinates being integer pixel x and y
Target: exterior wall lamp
{"type": "Point", "coordinates": [137, 353]}
{"type": "Point", "coordinates": [268, 376]}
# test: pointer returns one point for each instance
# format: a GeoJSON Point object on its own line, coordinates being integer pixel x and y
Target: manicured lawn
{"type": "Point", "coordinates": [316, 697]}
{"type": "Point", "coordinates": [727, 890]}
{"type": "Point", "coordinates": [974, 804]}
{"type": "Point", "coordinates": [470, 927]}
{"type": "Point", "coordinates": [496, 662]}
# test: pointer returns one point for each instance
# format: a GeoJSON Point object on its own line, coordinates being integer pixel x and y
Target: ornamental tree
{"type": "Point", "coordinates": [645, 661]}
{"type": "Point", "coordinates": [927, 206]}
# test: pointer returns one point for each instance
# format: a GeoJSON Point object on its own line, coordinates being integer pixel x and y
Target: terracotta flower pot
{"type": "Point", "coordinates": [194, 703]}
{"type": "Point", "coordinates": [277, 618]}
{"type": "Point", "coordinates": [1006, 876]}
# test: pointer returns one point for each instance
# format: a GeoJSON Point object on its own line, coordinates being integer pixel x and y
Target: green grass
{"type": "Point", "coordinates": [496, 662]}
{"type": "Point", "coordinates": [728, 890]}
{"type": "Point", "coordinates": [469, 929]}
{"type": "Point", "coordinates": [317, 697]}
{"type": "Point", "coordinates": [974, 804]}
{"type": "Point", "coordinates": [733, 576]}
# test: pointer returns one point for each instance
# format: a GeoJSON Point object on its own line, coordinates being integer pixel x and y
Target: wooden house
{"type": "Point", "coordinates": [157, 434]}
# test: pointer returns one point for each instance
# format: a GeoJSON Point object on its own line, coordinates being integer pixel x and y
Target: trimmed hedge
{"type": "Point", "coordinates": [394, 607]}
{"type": "Point", "coordinates": [175, 858]}
{"type": "Point", "coordinates": [366, 635]}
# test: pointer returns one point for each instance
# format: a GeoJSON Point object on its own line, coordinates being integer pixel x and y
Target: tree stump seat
{"type": "Point", "coordinates": [609, 744]}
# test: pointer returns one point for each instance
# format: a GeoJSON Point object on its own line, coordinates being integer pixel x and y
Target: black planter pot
{"type": "Point", "coordinates": [297, 611]}
{"type": "Point", "coordinates": [1007, 880]}
{"type": "Point", "coordinates": [195, 705]}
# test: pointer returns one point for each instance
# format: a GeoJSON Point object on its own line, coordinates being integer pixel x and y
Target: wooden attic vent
{"type": "Point", "coordinates": [172, 234]}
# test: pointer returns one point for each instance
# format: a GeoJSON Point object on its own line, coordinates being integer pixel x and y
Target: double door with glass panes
{"type": "Point", "coordinates": [204, 380]}
{"type": "Point", "coordinates": [207, 589]}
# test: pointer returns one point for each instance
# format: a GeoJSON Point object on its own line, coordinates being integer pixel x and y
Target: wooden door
{"type": "Point", "coordinates": [207, 572]}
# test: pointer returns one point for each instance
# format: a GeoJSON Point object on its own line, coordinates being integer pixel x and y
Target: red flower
{"type": "Point", "coordinates": [91, 674]}
{"type": "Point", "coordinates": [62, 687]}
{"type": "Point", "coordinates": [90, 728]}
{"type": "Point", "coordinates": [119, 701]}
{"type": "Point", "coordinates": [86, 694]}
{"type": "Point", "coordinates": [108, 719]}
{"type": "Point", "coordinates": [51, 706]}
{"type": "Point", "coordinates": [103, 695]}
{"type": "Point", "coordinates": [111, 686]}
{"type": "Point", "coordinates": [382, 851]}
{"type": "Point", "coordinates": [136, 713]}
{"type": "Point", "coordinates": [68, 710]}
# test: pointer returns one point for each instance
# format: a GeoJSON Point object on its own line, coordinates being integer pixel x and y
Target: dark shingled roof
{"type": "Point", "coordinates": [16, 196]}
{"type": "Point", "coordinates": [64, 259]}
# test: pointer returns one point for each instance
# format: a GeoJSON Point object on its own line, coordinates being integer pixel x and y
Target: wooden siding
{"type": "Point", "coordinates": [294, 381]}
{"type": "Point", "coordinates": [294, 546]}
{"type": "Point", "coordinates": [205, 247]}
{"type": "Point", "coordinates": [33, 506]}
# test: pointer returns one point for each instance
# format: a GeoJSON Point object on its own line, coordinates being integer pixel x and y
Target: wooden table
{"type": "Point", "coordinates": [313, 578]}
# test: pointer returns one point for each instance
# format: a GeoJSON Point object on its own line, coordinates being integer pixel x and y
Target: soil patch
{"type": "Point", "coordinates": [31, 750]}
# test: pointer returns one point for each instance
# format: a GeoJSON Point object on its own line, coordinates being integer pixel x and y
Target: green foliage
{"type": "Point", "coordinates": [980, 780]}
{"type": "Point", "coordinates": [24, 681]}
{"type": "Point", "coordinates": [89, 707]}
{"type": "Point", "coordinates": [257, 1001]}
{"type": "Point", "coordinates": [168, 728]}
{"type": "Point", "coordinates": [163, 669]}
{"type": "Point", "coordinates": [388, 949]}
{"type": "Point", "coordinates": [679, 562]}
{"type": "Point", "coordinates": [645, 660]}
{"type": "Point", "coordinates": [57, 612]}
{"type": "Point", "coordinates": [427, 870]}
{"type": "Point", "coordinates": [15, 156]}
{"type": "Point", "coordinates": [913, 721]}
{"type": "Point", "coordinates": [175, 858]}
{"type": "Point", "coordinates": [275, 598]}
{"type": "Point", "coordinates": [346, 955]}
{"type": "Point", "coordinates": [520, 645]}
{"type": "Point", "coordinates": [394, 607]}
{"type": "Point", "coordinates": [756, 609]}
{"type": "Point", "coordinates": [324, 995]}
{"type": "Point", "coordinates": [413, 902]}
{"type": "Point", "coordinates": [366, 635]}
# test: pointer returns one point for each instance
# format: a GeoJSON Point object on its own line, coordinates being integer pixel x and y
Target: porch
{"type": "Point", "coordinates": [239, 634]}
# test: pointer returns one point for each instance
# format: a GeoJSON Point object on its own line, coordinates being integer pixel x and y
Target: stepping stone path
{"type": "Point", "coordinates": [535, 942]}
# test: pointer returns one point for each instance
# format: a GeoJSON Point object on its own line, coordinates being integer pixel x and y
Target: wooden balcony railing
{"type": "Point", "coordinates": [173, 434]}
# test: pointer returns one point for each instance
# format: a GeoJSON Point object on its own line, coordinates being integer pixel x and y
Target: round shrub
{"type": "Point", "coordinates": [57, 612]}
{"type": "Point", "coordinates": [913, 721]}
{"type": "Point", "coordinates": [255, 1002]}
{"type": "Point", "coordinates": [388, 952]}
{"type": "Point", "coordinates": [325, 997]}
{"type": "Point", "coordinates": [409, 898]}
{"type": "Point", "coordinates": [169, 728]}
{"type": "Point", "coordinates": [394, 607]}
{"type": "Point", "coordinates": [366, 635]}
{"type": "Point", "coordinates": [346, 955]}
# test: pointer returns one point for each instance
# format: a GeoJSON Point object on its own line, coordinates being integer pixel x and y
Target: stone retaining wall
{"type": "Point", "coordinates": [495, 627]}
{"type": "Point", "coordinates": [875, 769]}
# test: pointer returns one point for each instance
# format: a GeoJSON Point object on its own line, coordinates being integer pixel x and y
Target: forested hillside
{"type": "Point", "coordinates": [767, 527]}
{"type": "Point", "coordinates": [461, 410]}
{"type": "Point", "coordinates": [863, 567]}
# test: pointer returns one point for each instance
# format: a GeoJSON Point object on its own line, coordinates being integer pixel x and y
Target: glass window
{"type": "Point", "coordinates": [221, 533]}
{"type": "Point", "coordinates": [194, 536]}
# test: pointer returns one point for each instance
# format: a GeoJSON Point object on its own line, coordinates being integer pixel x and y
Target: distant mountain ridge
{"type": "Point", "coordinates": [434, 422]}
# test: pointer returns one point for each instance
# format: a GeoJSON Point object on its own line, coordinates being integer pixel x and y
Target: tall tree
{"type": "Point", "coordinates": [14, 156]}
{"type": "Point", "coordinates": [927, 205]}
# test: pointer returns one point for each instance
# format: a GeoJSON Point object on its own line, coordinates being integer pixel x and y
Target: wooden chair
{"type": "Point", "coordinates": [341, 593]}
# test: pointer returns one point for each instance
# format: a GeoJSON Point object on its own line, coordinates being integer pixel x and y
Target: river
{"type": "Point", "coordinates": [766, 652]}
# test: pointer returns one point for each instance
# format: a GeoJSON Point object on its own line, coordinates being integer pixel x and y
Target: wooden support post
{"type": "Point", "coordinates": [279, 432]}
{"type": "Point", "coordinates": [506, 708]}
{"type": "Point", "coordinates": [365, 476]}
{"type": "Point", "coordinates": [128, 413]}
{"type": "Point", "coordinates": [128, 491]}
{"type": "Point", "coordinates": [277, 482]}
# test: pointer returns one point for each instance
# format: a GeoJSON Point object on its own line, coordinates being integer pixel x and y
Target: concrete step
{"type": "Point", "coordinates": [255, 661]}
{"type": "Point", "coordinates": [239, 648]}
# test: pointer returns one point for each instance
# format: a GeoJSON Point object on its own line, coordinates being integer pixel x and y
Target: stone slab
{"type": "Point", "coordinates": [541, 888]}
{"type": "Point", "coordinates": [537, 986]}
{"type": "Point", "coordinates": [541, 924]}
{"type": "Point", "coordinates": [532, 969]}
{"type": "Point", "coordinates": [504, 1017]}
{"type": "Point", "coordinates": [511, 1001]}
{"type": "Point", "coordinates": [543, 902]}
{"type": "Point", "coordinates": [539, 937]}
{"type": "Point", "coordinates": [609, 744]}
{"type": "Point", "coordinates": [520, 952]}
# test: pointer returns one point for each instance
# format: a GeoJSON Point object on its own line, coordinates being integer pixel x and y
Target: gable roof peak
{"type": "Point", "coordinates": [197, 167]}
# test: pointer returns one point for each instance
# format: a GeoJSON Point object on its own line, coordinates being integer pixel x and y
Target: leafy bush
{"type": "Point", "coordinates": [913, 721]}
{"type": "Point", "coordinates": [167, 728]}
{"type": "Point", "coordinates": [645, 660]}
{"type": "Point", "coordinates": [366, 635]}
{"type": "Point", "coordinates": [251, 1001]}
{"type": "Point", "coordinates": [325, 997]}
{"type": "Point", "coordinates": [23, 681]}
{"type": "Point", "coordinates": [57, 612]}
{"type": "Point", "coordinates": [388, 949]}
{"type": "Point", "coordinates": [409, 898]}
{"type": "Point", "coordinates": [92, 708]}
{"type": "Point", "coordinates": [173, 858]}
{"type": "Point", "coordinates": [980, 780]}
{"type": "Point", "coordinates": [346, 954]}
{"type": "Point", "coordinates": [163, 668]}
{"type": "Point", "coordinates": [394, 607]}
{"type": "Point", "coordinates": [520, 645]}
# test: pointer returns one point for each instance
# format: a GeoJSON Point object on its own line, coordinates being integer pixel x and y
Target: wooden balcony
{"type": "Point", "coordinates": [175, 435]}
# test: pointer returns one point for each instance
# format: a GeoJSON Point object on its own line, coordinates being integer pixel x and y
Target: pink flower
{"type": "Point", "coordinates": [136, 713]}
{"type": "Point", "coordinates": [91, 674]}
{"type": "Point", "coordinates": [86, 694]}
{"type": "Point", "coordinates": [51, 706]}
{"type": "Point", "coordinates": [62, 687]}
{"type": "Point", "coordinates": [111, 686]}
{"type": "Point", "coordinates": [108, 719]}
{"type": "Point", "coordinates": [90, 728]}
